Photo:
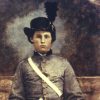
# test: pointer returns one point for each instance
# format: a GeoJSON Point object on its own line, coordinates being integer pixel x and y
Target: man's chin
{"type": "Point", "coordinates": [43, 51]}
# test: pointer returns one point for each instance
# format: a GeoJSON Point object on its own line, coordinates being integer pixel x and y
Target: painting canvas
{"type": "Point", "coordinates": [77, 24]}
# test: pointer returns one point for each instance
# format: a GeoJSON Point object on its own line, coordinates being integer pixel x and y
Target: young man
{"type": "Point", "coordinates": [28, 85]}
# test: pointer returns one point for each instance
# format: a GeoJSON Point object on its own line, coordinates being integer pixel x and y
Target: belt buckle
{"type": "Point", "coordinates": [40, 98]}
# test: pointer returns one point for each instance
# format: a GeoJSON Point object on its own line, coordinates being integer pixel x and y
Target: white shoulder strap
{"type": "Point", "coordinates": [36, 69]}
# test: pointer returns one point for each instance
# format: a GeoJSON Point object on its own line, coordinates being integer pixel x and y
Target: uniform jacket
{"type": "Point", "coordinates": [27, 85]}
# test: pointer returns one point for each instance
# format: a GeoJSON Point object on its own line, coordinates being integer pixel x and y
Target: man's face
{"type": "Point", "coordinates": [42, 41]}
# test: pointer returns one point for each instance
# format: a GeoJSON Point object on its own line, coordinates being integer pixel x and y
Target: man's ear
{"type": "Point", "coordinates": [31, 39]}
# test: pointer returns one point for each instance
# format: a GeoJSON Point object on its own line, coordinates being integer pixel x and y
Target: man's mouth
{"type": "Point", "coordinates": [42, 46]}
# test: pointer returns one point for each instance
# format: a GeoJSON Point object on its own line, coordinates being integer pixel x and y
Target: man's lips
{"type": "Point", "coordinates": [42, 46]}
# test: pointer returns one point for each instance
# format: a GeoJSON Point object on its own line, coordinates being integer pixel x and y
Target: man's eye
{"type": "Point", "coordinates": [47, 36]}
{"type": "Point", "coordinates": [38, 36]}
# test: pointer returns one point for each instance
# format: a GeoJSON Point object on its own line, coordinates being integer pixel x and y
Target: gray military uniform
{"type": "Point", "coordinates": [28, 85]}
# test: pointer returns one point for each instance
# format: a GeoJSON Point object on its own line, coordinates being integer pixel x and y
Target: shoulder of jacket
{"type": "Point", "coordinates": [59, 57]}
{"type": "Point", "coordinates": [62, 60]}
{"type": "Point", "coordinates": [24, 60]}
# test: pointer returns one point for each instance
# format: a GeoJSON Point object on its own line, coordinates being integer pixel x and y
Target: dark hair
{"type": "Point", "coordinates": [40, 24]}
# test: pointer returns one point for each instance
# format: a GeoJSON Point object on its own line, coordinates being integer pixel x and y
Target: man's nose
{"type": "Point", "coordinates": [42, 40]}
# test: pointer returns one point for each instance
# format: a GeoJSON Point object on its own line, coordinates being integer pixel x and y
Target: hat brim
{"type": "Point", "coordinates": [28, 31]}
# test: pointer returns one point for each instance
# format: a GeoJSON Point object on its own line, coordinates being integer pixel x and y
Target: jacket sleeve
{"type": "Point", "coordinates": [72, 90]}
{"type": "Point", "coordinates": [17, 92]}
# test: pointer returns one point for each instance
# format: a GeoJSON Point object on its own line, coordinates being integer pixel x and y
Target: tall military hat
{"type": "Point", "coordinates": [40, 24]}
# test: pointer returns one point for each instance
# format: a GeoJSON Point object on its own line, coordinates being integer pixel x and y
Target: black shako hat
{"type": "Point", "coordinates": [40, 24]}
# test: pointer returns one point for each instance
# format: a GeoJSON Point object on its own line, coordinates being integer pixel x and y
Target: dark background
{"type": "Point", "coordinates": [79, 33]}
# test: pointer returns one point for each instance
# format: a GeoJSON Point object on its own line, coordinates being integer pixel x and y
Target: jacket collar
{"type": "Point", "coordinates": [42, 55]}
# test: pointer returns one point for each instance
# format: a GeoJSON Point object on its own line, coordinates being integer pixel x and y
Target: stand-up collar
{"type": "Point", "coordinates": [39, 54]}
